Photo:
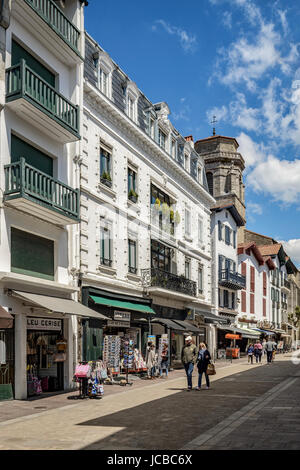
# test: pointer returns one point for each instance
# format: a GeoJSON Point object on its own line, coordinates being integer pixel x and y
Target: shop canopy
{"type": "Point", "coordinates": [212, 318]}
{"type": "Point", "coordinates": [120, 304]}
{"type": "Point", "coordinates": [169, 324]}
{"type": "Point", "coordinates": [268, 332]}
{"type": "Point", "coordinates": [245, 332]}
{"type": "Point", "coordinates": [188, 326]}
{"type": "Point", "coordinates": [59, 305]}
{"type": "Point", "coordinates": [6, 319]}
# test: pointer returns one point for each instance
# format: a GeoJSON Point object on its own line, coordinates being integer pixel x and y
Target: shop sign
{"type": "Point", "coordinates": [117, 323]}
{"type": "Point", "coordinates": [50, 324]}
{"type": "Point", "coordinates": [122, 316]}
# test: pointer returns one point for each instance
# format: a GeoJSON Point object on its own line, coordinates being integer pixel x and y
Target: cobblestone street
{"type": "Point", "coordinates": [247, 407]}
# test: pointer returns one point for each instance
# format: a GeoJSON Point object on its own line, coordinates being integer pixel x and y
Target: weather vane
{"type": "Point", "coordinates": [214, 120]}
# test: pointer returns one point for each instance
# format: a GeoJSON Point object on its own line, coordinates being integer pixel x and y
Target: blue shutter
{"type": "Point", "coordinates": [220, 230]}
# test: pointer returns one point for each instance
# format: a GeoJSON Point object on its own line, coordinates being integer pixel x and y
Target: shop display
{"type": "Point", "coordinates": [89, 376]}
{"type": "Point", "coordinates": [162, 340]}
{"type": "Point", "coordinates": [111, 353]}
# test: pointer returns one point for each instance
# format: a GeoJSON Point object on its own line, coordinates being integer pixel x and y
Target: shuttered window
{"type": "Point", "coordinates": [264, 308]}
{"type": "Point", "coordinates": [252, 303]}
{"type": "Point", "coordinates": [33, 156]}
{"type": "Point", "coordinates": [244, 306]}
{"type": "Point", "coordinates": [252, 279]}
{"type": "Point", "coordinates": [32, 255]}
{"type": "Point", "coordinates": [226, 304]}
{"type": "Point", "coordinates": [227, 235]}
{"type": "Point", "coordinates": [220, 230]}
{"type": "Point", "coordinates": [264, 284]}
{"type": "Point", "coordinates": [234, 239]}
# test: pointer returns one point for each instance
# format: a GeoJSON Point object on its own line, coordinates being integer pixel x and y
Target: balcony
{"type": "Point", "coordinates": [158, 278]}
{"type": "Point", "coordinates": [231, 279]}
{"type": "Point", "coordinates": [52, 27]}
{"type": "Point", "coordinates": [39, 103]}
{"type": "Point", "coordinates": [286, 285]}
{"type": "Point", "coordinates": [38, 194]}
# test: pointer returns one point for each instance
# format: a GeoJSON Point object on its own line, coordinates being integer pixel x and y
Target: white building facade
{"type": "Point", "coordinates": [145, 225]}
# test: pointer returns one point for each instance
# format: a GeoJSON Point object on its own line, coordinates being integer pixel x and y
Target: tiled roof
{"type": "Point", "coordinates": [268, 250]}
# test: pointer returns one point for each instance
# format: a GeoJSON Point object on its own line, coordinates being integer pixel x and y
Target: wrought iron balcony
{"type": "Point", "coordinates": [51, 14]}
{"type": "Point", "coordinates": [41, 104]}
{"type": "Point", "coordinates": [154, 277]}
{"type": "Point", "coordinates": [37, 193]}
{"type": "Point", "coordinates": [231, 279]}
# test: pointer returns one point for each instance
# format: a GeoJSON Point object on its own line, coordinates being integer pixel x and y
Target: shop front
{"type": "Point", "coordinates": [128, 322]}
{"type": "Point", "coordinates": [6, 355]}
{"type": "Point", "coordinates": [235, 339]}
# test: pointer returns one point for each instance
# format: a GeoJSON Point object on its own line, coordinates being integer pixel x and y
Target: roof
{"type": "Point", "coordinates": [269, 250]}
{"type": "Point", "coordinates": [233, 211]}
{"type": "Point", "coordinates": [269, 262]}
{"type": "Point", "coordinates": [218, 136]}
{"type": "Point", "coordinates": [244, 247]}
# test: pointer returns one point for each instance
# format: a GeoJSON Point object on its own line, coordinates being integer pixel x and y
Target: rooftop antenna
{"type": "Point", "coordinates": [214, 120]}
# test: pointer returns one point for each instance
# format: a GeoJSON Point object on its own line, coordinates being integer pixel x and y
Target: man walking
{"type": "Point", "coordinates": [270, 347]}
{"type": "Point", "coordinates": [188, 357]}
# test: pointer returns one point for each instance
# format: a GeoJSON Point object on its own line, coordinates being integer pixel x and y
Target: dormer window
{"type": "Point", "coordinates": [131, 107]}
{"type": "Point", "coordinates": [132, 94]}
{"type": "Point", "coordinates": [103, 81]}
{"type": "Point", "coordinates": [151, 128]}
{"type": "Point", "coordinates": [105, 68]}
{"type": "Point", "coordinates": [186, 162]}
{"type": "Point", "coordinates": [162, 139]}
{"type": "Point", "coordinates": [173, 148]}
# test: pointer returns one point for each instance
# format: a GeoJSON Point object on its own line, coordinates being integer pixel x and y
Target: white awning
{"type": "Point", "coordinates": [59, 305]}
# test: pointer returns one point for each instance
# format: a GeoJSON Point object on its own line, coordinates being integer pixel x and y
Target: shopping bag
{"type": "Point", "coordinates": [82, 370]}
{"type": "Point", "coordinates": [211, 370]}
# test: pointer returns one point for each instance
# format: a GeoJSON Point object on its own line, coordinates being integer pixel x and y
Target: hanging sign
{"type": "Point", "coordinates": [121, 316]}
{"type": "Point", "coordinates": [115, 323]}
{"type": "Point", "coordinates": [51, 324]}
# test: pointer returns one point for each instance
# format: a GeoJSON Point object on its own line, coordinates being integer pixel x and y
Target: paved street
{"type": "Point", "coordinates": [248, 407]}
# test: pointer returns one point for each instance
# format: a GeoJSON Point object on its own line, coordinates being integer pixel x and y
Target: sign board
{"type": "Point", "coordinates": [231, 336]}
{"type": "Point", "coordinates": [50, 324]}
{"type": "Point", "coordinates": [151, 339]}
{"type": "Point", "coordinates": [121, 324]}
{"type": "Point", "coordinates": [122, 316]}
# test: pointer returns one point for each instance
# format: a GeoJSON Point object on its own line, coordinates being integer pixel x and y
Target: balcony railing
{"type": "Point", "coordinates": [23, 180]}
{"type": "Point", "coordinates": [22, 82]}
{"type": "Point", "coordinates": [232, 279]}
{"type": "Point", "coordinates": [57, 20]}
{"type": "Point", "coordinates": [155, 277]}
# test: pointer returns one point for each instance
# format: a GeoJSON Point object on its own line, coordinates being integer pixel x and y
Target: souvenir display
{"type": "Point", "coordinates": [111, 352]}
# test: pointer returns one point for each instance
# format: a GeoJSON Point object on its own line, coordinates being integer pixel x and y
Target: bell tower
{"type": "Point", "coordinates": [224, 167]}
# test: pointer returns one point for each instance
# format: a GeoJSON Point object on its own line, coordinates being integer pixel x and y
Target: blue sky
{"type": "Point", "coordinates": [236, 59]}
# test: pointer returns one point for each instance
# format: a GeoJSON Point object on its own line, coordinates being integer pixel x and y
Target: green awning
{"type": "Point", "coordinates": [119, 304]}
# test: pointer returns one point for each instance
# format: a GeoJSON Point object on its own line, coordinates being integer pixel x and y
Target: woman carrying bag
{"type": "Point", "coordinates": [202, 363]}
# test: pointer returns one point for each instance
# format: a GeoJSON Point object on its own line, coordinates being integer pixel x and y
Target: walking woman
{"type": "Point", "coordinates": [164, 361]}
{"type": "Point", "coordinates": [202, 363]}
{"type": "Point", "coordinates": [250, 352]}
{"type": "Point", "coordinates": [150, 360]}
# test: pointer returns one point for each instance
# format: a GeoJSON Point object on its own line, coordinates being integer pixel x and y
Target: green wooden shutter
{"type": "Point", "coordinates": [34, 157]}
{"type": "Point", "coordinates": [32, 255]}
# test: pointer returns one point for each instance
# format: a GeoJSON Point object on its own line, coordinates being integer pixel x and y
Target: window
{"type": "Point", "coordinates": [161, 215]}
{"type": "Point", "coordinates": [200, 231]}
{"type": "Point", "coordinates": [162, 139]}
{"type": "Point", "coordinates": [187, 268]}
{"type": "Point", "coordinates": [234, 238]}
{"type": "Point", "coordinates": [105, 246]}
{"type": "Point", "coordinates": [210, 183]}
{"type": "Point", "coordinates": [252, 303]}
{"type": "Point", "coordinates": [225, 299]}
{"type": "Point", "coordinates": [244, 305]}
{"type": "Point", "coordinates": [132, 268]}
{"type": "Point", "coordinates": [227, 235]}
{"type": "Point", "coordinates": [173, 149]}
{"type": "Point", "coordinates": [264, 284]}
{"type": "Point", "coordinates": [32, 255]}
{"type": "Point", "coordinates": [160, 256]}
{"type": "Point", "coordinates": [187, 222]}
{"type": "Point", "coordinates": [233, 300]}
{"type": "Point", "coordinates": [252, 279]}
{"type": "Point", "coordinates": [220, 230]}
{"type": "Point", "coordinates": [131, 107]}
{"type": "Point", "coordinates": [200, 279]}
{"type": "Point", "coordinates": [151, 129]}
{"type": "Point", "coordinates": [103, 81]}
{"type": "Point", "coordinates": [186, 162]}
{"type": "Point", "coordinates": [131, 183]}
{"type": "Point", "coordinates": [105, 165]}
{"type": "Point", "coordinates": [199, 174]}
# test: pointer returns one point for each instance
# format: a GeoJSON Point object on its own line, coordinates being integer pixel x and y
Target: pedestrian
{"type": "Point", "coordinates": [164, 361]}
{"type": "Point", "coordinates": [150, 360]}
{"type": "Point", "coordinates": [250, 352]}
{"type": "Point", "coordinates": [188, 358]}
{"type": "Point", "coordinates": [258, 351]}
{"type": "Point", "coordinates": [202, 363]}
{"type": "Point", "coordinates": [270, 347]}
{"type": "Point", "coordinates": [264, 347]}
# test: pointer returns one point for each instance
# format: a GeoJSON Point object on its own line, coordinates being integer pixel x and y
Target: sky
{"type": "Point", "coordinates": [238, 60]}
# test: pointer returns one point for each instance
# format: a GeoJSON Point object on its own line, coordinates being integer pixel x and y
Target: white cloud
{"type": "Point", "coordinates": [227, 19]}
{"type": "Point", "coordinates": [292, 248]}
{"type": "Point", "coordinates": [242, 116]}
{"type": "Point", "coordinates": [284, 22]}
{"type": "Point", "coordinates": [221, 114]}
{"type": "Point", "coordinates": [188, 41]}
{"type": "Point", "coordinates": [278, 178]}
{"type": "Point", "coordinates": [252, 152]}
{"type": "Point", "coordinates": [254, 208]}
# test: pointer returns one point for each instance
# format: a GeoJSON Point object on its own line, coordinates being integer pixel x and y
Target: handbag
{"type": "Point", "coordinates": [59, 357]}
{"type": "Point", "coordinates": [211, 370]}
{"type": "Point", "coordinates": [82, 370]}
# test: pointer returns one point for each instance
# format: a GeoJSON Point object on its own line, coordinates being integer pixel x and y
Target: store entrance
{"type": "Point", "coordinates": [46, 353]}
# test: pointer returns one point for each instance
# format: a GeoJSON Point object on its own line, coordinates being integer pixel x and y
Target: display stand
{"type": "Point", "coordinates": [128, 356]}
{"type": "Point", "coordinates": [88, 386]}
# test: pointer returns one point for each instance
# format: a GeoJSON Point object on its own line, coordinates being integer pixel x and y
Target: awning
{"type": "Point", "coordinates": [6, 319]}
{"type": "Point", "coordinates": [246, 333]}
{"type": "Point", "coordinates": [268, 332]}
{"type": "Point", "coordinates": [212, 318]}
{"type": "Point", "coordinates": [57, 304]}
{"type": "Point", "coordinates": [168, 323]}
{"type": "Point", "coordinates": [121, 304]}
{"type": "Point", "coordinates": [278, 330]}
{"type": "Point", "coordinates": [188, 326]}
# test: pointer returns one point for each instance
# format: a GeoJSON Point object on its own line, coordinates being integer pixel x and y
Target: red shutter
{"type": "Point", "coordinates": [264, 308]}
{"type": "Point", "coordinates": [265, 284]}
{"type": "Point", "coordinates": [252, 303]}
{"type": "Point", "coordinates": [252, 279]}
{"type": "Point", "coordinates": [244, 301]}
{"type": "Point", "coordinates": [244, 269]}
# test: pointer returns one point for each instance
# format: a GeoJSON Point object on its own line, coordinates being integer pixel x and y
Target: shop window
{"type": "Point", "coordinates": [32, 255]}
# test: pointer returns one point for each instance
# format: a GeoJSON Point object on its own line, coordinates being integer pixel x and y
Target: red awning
{"type": "Point", "coordinates": [6, 319]}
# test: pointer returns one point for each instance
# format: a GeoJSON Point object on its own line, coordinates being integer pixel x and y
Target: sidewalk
{"type": "Point", "coordinates": [35, 405]}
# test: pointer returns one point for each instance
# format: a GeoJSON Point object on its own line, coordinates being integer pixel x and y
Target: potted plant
{"type": "Point", "coordinates": [133, 196]}
{"type": "Point", "coordinates": [157, 204]}
{"type": "Point", "coordinates": [177, 218]}
{"type": "Point", "coordinates": [106, 179]}
{"type": "Point", "coordinates": [165, 209]}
